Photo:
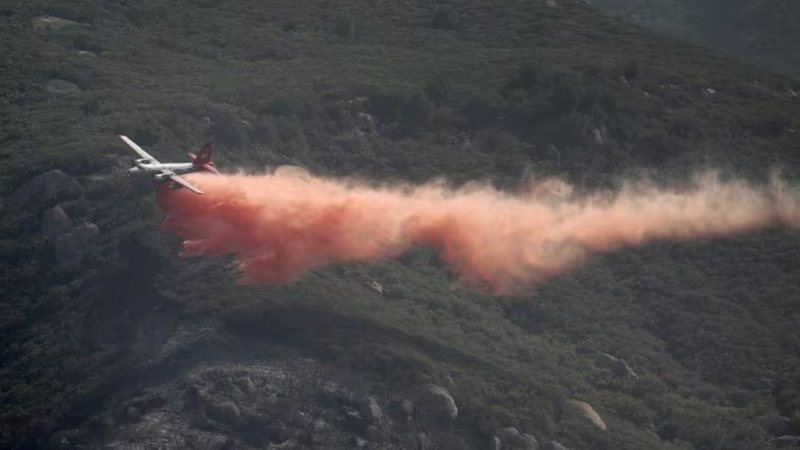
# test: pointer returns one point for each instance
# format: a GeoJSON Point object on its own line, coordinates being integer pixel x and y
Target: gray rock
{"type": "Point", "coordinates": [598, 137]}
{"type": "Point", "coordinates": [62, 87]}
{"type": "Point", "coordinates": [55, 223]}
{"type": "Point", "coordinates": [371, 411]}
{"type": "Point", "coordinates": [42, 23]}
{"type": "Point", "coordinates": [512, 439]}
{"type": "Point", "coordinates": [448, 381]}
{"type": "Point", "coordinates": [553, 445]}
{"type": "Point", "coordinates": [423, 443]}
{"type": "Point", "coordinates": [496, 444]}
{"type": "Point", "coordinates": [586, 410]}
{"type": "Point", "coordinates": [72, 247]}
{"type": "Point", "coordinates": [51, 185]}
{"type": "Point", "coordinates": [436, 407]}
{"type": "Point", "coordinates": [787, 441]}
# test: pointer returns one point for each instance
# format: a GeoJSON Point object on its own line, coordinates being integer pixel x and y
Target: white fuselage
{"type": "Point", "coordinates": [150, 168]}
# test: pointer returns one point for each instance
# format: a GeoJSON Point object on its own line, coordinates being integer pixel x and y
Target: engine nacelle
{"type": "Point", "coordinates": [162, 177]}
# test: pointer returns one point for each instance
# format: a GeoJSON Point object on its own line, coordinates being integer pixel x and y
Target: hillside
{"type": "Point", "coordinates": [763, 32]}
{"type": "Point", "coordinates": [111, 339]}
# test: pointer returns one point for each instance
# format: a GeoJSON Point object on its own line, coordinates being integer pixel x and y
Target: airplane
{"type": "Point", "coordinates": [169, 172]}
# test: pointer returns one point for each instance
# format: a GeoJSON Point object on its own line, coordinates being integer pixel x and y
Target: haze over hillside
{"type": "Point", "coordinates": [111, 339]}
{"type": "Point", "coordinates": [764, 32]}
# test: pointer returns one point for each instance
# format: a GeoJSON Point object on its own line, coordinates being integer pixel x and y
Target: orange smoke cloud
{"type": "Point", "coordinates": [282, 224]}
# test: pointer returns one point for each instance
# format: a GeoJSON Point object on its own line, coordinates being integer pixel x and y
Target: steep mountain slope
{"type": "Point", "coordinates": [764, 32]}
{"type": "Point", "coordinates": [112, 339]}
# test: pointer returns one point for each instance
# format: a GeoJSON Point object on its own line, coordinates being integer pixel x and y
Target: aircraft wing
{"type": "Point", "coordinates": [185, 184]}
{"type": "Point", "coordinates": [137, 149]}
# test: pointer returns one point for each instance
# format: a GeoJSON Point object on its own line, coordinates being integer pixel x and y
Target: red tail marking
{"type": "Point", "coordinates": [202, 161]}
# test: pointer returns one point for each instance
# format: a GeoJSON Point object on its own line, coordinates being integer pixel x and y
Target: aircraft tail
{"type": "Point", "coordinates": [202, 161]}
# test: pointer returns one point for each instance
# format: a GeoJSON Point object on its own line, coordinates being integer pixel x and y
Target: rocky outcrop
{"type": "Point", "coordinates": [55, 223]}
{"type": "Point", "coordinates": [52, 185]}
{"type": "Point", "coordinates": [62, 87]}
{"type": "Point", "coordinates": [586, 410]}
{"type": "Point", "coordinates": [512, 439]}
{"type": "Point", "coordinates": [371, 410]}
{"type": "Point", "coordinates": [435, 406]}
{"type": "Point", "coordinates": [43, 23]}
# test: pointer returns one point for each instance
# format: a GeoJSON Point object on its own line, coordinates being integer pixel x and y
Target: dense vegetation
{"type": "Point", "coordinates": [764, 32]}
{"type": "Point", "coordinates": [479, 90]}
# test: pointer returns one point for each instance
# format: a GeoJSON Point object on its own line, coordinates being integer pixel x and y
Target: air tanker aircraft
{"type": "Point", "coordinates": [169, 172]}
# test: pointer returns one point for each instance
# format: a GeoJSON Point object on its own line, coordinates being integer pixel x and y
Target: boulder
{"type": "Point", "coordinates": [43, 23]}
{"type": "Point", "coordinates": [586, 410]}
{"type": "Point", "coordinates": [436, 407]}
{"type": "Point", "coordinates": [598, 137]}
{"type": "Point", "coordinates": [52, 185]}
{"type": "Point", "coordinates": [55, 223]}
{"type": "Point", "coordinates": [371, 411]}
{"type": "Point", "coordinates": [496, 444]}
{"type": "Point", "coordinates": [62, 87]}
{"type": "Point", "coordinates": [72, 247]}
{"type": "Point", "coordinates": [512, 439]}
